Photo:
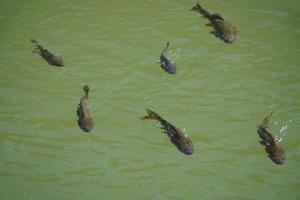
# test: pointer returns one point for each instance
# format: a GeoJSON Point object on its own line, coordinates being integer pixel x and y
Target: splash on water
{"type": "Point", "coordinates": [282, 133]}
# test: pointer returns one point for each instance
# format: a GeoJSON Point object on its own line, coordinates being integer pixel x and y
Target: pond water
{"type": "Point", "coordinates": [220, 93]}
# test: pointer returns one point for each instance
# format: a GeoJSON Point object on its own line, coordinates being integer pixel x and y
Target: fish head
{"type": "Point", "coordinates": [88, 128]}
{"type": "Point", "coordinates": [276, 154]}
{"type": "Point", "coordinates": [167, 64]}
{"type": "Point", "coordinates": [188, 150]}
{"type": "Point", "coordinates": [86, 124]}
{"type": "Point", "coordinates": [228, 37]}
{"type": "Point", "coordinates": [60, 61]}
{"type": "Point", "coordinates": [225, 31]}
{"type": "Point", "coordinates": [56, 60]}
{"type": "Point", "coordinates": [170, 68]}
{"type": "Point", "coordinates": [186, 147]}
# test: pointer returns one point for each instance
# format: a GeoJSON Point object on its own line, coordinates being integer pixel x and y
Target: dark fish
{"type": "Point", "coordinates": [182, 142]}
{"type": "Point", "coordinates": [165, 62]}
{"type": "Point", "coordinates": [48, 56]}
{"type": "Point", "coordinates": [84, 120]}
{"type": "Point", "coordinates": [222, 29]}
{"type": "Point", "coordinates": [276, 153]}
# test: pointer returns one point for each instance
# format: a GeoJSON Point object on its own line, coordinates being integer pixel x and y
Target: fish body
{"type": "Point", "coordinates": [48, 56]}
{"type": "Point", "coordinates": [84, 120]}
{"type": "Point", "coordinates": [181, 141]}
{"type": "Point", "coordinates": [222, 28]}
{"type": "Point", "coordinates": [275, 152]}
{"type": "Point", "coordinates": [165, 62]}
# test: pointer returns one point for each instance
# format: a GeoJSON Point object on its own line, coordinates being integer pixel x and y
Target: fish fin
{"type": "Point", "coordinates": [262, 142]}
{"type": "Point", "coordinates": [215, 16]}
{"type": "Point", "coordinates": [215, 33]}
{"type": "Point", "coordinates": [79, 110]}
{"type": "Point", "coordinates": [151, 115]}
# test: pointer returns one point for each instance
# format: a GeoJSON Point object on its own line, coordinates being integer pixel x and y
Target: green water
{"type": "Point", "coordinates": [219, 95]}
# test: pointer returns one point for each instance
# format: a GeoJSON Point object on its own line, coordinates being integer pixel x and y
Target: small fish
{"type": "Point", "coordinates": [276, 153]}
{"type": "Point", "coordinates": [48, 56]}
{"type": "Point", "coordinates": [84, 120]}
{"type": "Point", "coordinates": [165, 62]}
{"type": "Point", "coordinates": [181, 141]}
{"type": "Point", "coordinates": [222, 29]}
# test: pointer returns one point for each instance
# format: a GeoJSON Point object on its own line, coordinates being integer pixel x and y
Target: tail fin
{"type": "Point", "coordinates": [37, 47]}
{"type": "Point", "coordinates": [151, 115]}
{"type": "Point", "coordinates": [167, 46]}
{"type": "Point", "coordinates": [211, 16]}
{"type": "Point", "coordinates": [197, 7]}
{"type": "Point", "coordinates": [86, 89]}
{"type": "Point", "coordinates": [265, 121]}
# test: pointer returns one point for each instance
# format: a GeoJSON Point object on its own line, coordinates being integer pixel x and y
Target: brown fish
{"type": "Point", "coordinates": [222, 29]}
{"type": "Point", "coordinates": [48, 56]}
{"type": "Point", "coordinates": [276, 153]}
{"type": "Point", "coordinates": [85, 120]}
{"type": "Point", "coordinates": [182, 142]}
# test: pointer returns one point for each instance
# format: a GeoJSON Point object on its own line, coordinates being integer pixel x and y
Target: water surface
{"type": "Point", "coordinates": [219, 95]}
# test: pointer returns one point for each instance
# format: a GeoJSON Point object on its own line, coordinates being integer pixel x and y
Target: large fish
{"type": "Point", "coordinates": [181, 141]}
{"type": "Point", "coordinates": [222, 28]}
{"type": "Point", "coordinates": [165, 61]}
{"type": "Point", "coordinates": [48, 56]}
{"type": "Point", "coordinates": [84, 120]}
{"type": "Point", "coordinates": [276, 153]}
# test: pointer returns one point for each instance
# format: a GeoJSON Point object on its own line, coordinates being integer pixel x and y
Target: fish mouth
{"type": "Point", "coordinates": [278, 161]}
{"type": "Point", "coordinates": [188, 151]}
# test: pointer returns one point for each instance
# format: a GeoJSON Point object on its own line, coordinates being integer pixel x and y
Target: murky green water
{"type": "Point", "coordinates": [220, 94]}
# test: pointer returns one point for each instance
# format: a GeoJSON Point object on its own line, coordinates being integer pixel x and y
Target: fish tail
{"type": "Point", "coordinates": [164, 53]}
{"type": "Point", "coordinates": [167, 46]}
{"type": "Point", "coordinates": [265, 122]}
{"type": "Point", "coordinates": [197, 7]}
{"type": "Point", "coordinates": [200, 9]}
{"type": "Point", "coordinates": [33, 41]}
{"type": "Point", "coordinates": [37, 47]}
{"type": "Point", "coordinates": [211, 16]}
{"type": "Point", "coordinates": [86, 89]}
{"type": "Point", "coordinates": [151, 115]}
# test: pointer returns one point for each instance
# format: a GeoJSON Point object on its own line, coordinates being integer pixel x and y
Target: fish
{"type": "Point", "coordinates": [52, 59]}
{"type": "Point", "coordinates": [84, 120]}
{"type": "Point", "coordinates": [165, 61]}
{"type": "Point", "coordinates": [275, 152]}
{"type": "Point", "coordinates": [222, 28]}
{"type": "Point", "coordinates": [181, 141]}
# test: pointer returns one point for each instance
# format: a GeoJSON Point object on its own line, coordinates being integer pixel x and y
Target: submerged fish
{"type": "Point", "coordinates": [181, 141]}
{"type": "Point", "coordinates": [276, 153]}
{"type": "Point", "coordinates": [222, 29]}
{"type": "Point", "coordinates": [165, 62]}
{"type": "Point", "coordinates": [48, 56]}
{"type": "Point", "coordinates": [84, 120]}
